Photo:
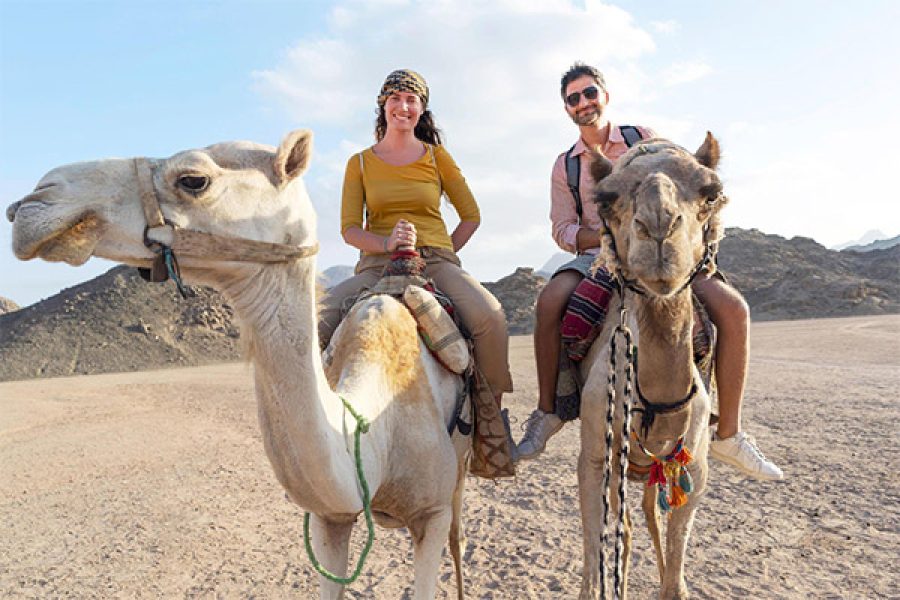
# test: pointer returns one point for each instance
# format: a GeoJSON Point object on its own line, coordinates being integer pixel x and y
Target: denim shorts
{"type": "Point", "coordinates": [581, 263]}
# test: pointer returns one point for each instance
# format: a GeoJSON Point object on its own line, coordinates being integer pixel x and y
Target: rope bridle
{"type": "Point", "coordinates": [167, 241]}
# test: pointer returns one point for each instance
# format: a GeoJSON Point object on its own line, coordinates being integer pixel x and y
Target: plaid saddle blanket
{"type": "Point", "coordinates": [582, 323]}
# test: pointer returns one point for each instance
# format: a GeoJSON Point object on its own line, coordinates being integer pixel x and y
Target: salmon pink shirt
{"type": "Point", "coordinates": [563, 215]}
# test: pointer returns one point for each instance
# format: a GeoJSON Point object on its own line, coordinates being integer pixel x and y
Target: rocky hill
{"type": "Point", "coordinates": [332, 276]}
{"type": "Point", "coordinates": [7, 306]}
{"type": "Point", "coordinates": [118, 322]}
{"type": "Point", "coordinates": [799, 278]}
{"type": "Point", "coordinates": [517, 293]}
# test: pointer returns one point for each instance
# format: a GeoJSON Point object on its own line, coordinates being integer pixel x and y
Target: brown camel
{"type": "Point", "coordinates": [661, 206]}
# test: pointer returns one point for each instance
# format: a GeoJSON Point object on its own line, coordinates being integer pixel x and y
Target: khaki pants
{"type": "Point", "coordinates": [477, 307]}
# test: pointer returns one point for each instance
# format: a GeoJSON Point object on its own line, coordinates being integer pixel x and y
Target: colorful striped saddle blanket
{"type": "Point", "coordinates": [582, 323]}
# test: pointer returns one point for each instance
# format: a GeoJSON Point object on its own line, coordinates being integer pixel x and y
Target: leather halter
{"type": "Point", "coordinates": [708, 251]}
{"type": "Point", "coordinates": [165, 239]}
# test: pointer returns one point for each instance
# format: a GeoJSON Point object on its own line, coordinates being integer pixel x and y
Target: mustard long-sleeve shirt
{"type": "Point", "coordinates": [388, 193]}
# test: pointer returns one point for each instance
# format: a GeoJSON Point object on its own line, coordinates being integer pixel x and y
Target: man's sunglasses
{"type": "Point", "coordinates": [591, 92]}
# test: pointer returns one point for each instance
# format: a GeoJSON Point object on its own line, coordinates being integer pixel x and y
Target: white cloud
{"type": "Point", "coordinates": [806, 187]}
{"type": "Point", "coordinates": [685, 72]}
{"type": "Point", "coordinates": [493, 70]}
{"type": "Point", "coordinates": [666, 27]}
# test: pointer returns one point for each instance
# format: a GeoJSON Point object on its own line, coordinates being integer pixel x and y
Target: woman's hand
{"type": "Point", "coordinates": [402, 236]}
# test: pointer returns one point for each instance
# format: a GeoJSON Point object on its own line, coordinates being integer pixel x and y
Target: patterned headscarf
{"type": "Point", "coordinates": [404, 80]}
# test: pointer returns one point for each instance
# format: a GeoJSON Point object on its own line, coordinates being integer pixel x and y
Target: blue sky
{"type": "Point", "coordinates": [801, 94]}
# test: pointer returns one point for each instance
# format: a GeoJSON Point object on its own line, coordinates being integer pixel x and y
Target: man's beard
{"type": "Point", "coordinates": [588, 117]}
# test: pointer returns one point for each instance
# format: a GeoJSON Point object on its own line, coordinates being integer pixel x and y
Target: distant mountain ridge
{"type": "Point", "coordinates": [799, 278]}
{"type": "Point", "coordinates": [875, 245]}
{"type": "Point", "coordinates": [332, 276]}
{"type": "Point", "coordinates": [873, 235]}
{"type": "Point", "coordinates": [118, 322]}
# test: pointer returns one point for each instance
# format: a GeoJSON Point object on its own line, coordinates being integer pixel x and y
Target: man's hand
{"type": "Point", "coordinates": [587, 238]}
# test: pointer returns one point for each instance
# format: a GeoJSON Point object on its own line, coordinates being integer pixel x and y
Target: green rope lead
{"type": "Point", "coordinates": [362, 426]}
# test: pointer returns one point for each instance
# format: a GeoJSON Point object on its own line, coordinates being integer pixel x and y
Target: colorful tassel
{"type": "Point", "coordinates": [657, 475]}
{"type": "Point", "coordinates": [683, 456]}
{"type": "Point", "coordinates": [669, 474]}
{"type": "Point", "coordinates": [679, 498]}
{"type": "Point", "coordinates": [661, 500]}
{"type": "Point", "coordinates": [672, 470]}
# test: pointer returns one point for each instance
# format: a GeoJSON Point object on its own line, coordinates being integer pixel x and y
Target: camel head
{"type": "Point", "coordinates": [235, 189]}
{"type": "Point", "coordinates": [661, 205]}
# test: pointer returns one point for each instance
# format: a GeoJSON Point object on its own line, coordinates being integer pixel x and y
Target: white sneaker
{"type": "Point", "coordinates": [740, 451]}
{"type": "Point", "coordinates": [539, 428]}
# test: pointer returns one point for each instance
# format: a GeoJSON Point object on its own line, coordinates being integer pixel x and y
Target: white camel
{"type": "Point", "coordinates": [239, 218]}
{"type": "Point", "coordinates": [661, 205]}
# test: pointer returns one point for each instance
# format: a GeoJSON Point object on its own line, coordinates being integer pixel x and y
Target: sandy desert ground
{"type": "Point", "coordinates": [155, 484]}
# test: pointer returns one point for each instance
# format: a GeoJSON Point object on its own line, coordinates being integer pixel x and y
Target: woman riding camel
{"type": "Point", "coordinates": [391, 199]}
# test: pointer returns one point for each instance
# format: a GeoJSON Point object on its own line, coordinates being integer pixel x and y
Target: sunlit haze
{"type": "Point", "coordinates": [801, 94]}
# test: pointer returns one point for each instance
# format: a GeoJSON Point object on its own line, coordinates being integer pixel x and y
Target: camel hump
{"type": "Point", "coordinates": [378, 330]}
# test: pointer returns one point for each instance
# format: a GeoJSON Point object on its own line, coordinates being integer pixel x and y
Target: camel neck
{"type": "Point", "coordinates": [301, 418]}
{"type": "Point", "coordinates": [665, 351]}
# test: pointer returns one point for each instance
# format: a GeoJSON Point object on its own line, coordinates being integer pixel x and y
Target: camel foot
{"type": "Point", "coordinates": [588, 594]}
{"type": "Point", "coordinates": [679, 593]}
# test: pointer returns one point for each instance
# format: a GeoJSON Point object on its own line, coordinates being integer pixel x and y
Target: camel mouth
{"type": "Point", "coordinates": [659, 287]}
{"type": "Point", "coordinates": [72, 241]}
{"type": "Point", "coordinates": [663, 287]}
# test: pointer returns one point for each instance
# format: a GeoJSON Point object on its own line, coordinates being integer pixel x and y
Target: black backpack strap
{"type": "Point", "coordinates": [573, 178]}
{"type": "Point", "coordinates": [631, 134]}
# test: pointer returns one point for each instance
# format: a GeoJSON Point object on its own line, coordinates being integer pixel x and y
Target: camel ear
{"type": "Point", "coordinates": [293, 155]}
{"type": "Point", "coordinates": [600, 165]}
{"type": "Point", "coordinates": [708, 154]}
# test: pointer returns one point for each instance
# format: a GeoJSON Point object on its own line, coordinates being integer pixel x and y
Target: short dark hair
{"type": "Point", "coordinates": [579, 69]}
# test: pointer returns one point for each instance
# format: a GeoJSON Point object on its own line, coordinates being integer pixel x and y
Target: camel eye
{"type": "Point", "coordinates": [193, 183]}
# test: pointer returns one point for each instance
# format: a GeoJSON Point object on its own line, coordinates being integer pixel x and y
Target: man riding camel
{"type": "Point", "coordinates": [585, 98]}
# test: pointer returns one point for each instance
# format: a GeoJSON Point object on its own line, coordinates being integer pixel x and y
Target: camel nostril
{"type": "Point", "coordinates": [11, 211]}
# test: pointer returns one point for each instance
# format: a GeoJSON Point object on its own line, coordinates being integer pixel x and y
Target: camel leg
{"type": "Point", "coordinates": [677, 534]}
{"type": "Point", "coordinates": [430, 532]}
{"type": "Point", "coordinates": [456, 538]}
{"type": "Point", "coordinates": [653, 526]}
{"type": "Point", "coordinates": [331, 543]}
{"type": "Point", "coordinates": [590, 496]}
